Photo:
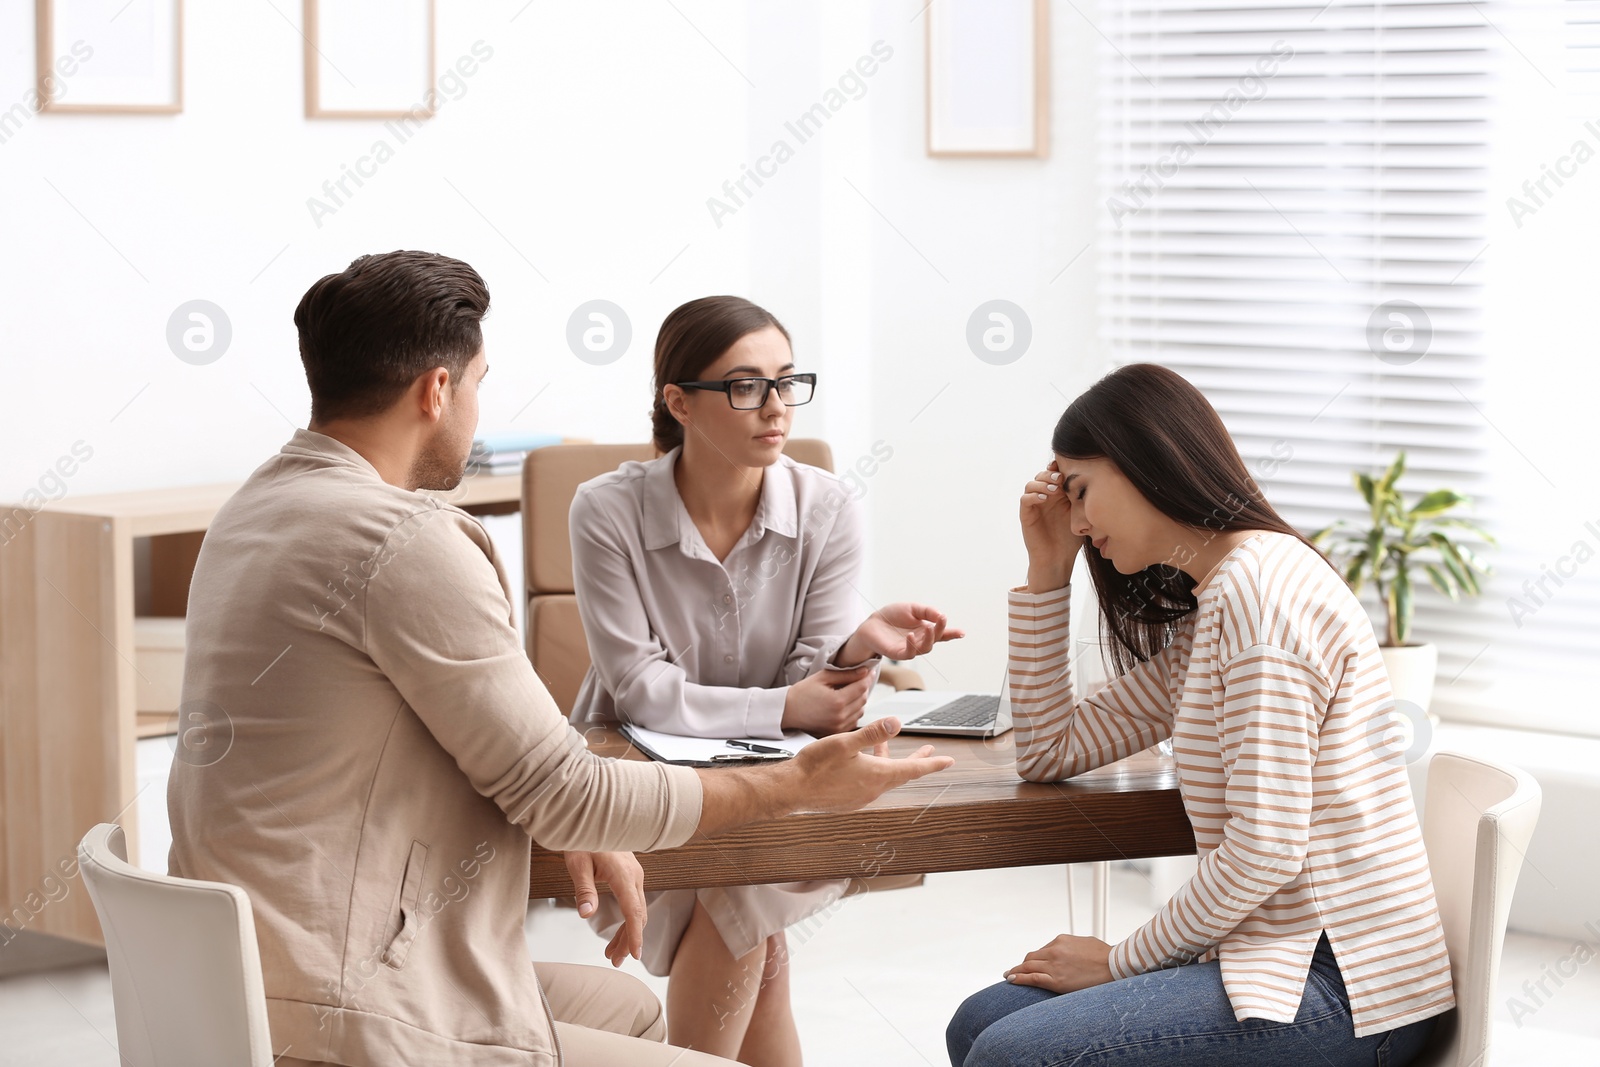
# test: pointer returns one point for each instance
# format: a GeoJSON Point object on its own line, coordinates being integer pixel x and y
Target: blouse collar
{"type": "Point", "coordinates": [667, 521]}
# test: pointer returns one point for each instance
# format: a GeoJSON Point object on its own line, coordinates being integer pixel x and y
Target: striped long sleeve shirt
{"type": "Point", "coordinates": [1277, 702]}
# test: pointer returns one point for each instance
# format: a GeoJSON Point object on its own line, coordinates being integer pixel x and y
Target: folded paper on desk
{"type": "Point", "coordinates": [699, 751]}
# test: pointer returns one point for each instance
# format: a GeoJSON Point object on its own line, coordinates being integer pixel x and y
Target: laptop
{"type": "Point", "coordinates": [947, 713]}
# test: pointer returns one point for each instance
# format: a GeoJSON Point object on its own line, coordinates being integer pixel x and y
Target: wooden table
{"type": "Point", "coordinates": [978, 814]}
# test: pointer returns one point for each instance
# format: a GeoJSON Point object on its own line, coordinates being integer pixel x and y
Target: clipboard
{"type": "Point", "coordinates": [710, 751]}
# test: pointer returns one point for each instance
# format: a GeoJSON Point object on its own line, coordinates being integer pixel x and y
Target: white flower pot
{"type": "Point", "coordinates": [1411, 672]}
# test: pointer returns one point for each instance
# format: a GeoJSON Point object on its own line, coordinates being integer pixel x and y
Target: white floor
{"type": "Point", "coordinates": [875, 984]}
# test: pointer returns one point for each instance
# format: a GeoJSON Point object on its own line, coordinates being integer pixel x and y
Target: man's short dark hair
{"type": "Point", "coordinates": [367, 332]}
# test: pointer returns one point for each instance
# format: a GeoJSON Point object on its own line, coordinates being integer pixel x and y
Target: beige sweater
{"type": "Point", "coordinates": [1275, 697]}
{"type": "Point", "coordinates": [367, 752]}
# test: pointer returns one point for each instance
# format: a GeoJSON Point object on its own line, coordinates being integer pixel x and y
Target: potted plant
{"type": "Point", "coordinates": [1398, 540]}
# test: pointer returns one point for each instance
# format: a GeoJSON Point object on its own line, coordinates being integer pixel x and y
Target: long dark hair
{"type": "Point", "coordinates": [1167, 439]}
{"type": "Point", "coordinates": [692, 338]}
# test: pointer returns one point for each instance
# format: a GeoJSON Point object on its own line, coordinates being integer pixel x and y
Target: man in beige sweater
{"type": "Point", "coordinates": [367, 750]}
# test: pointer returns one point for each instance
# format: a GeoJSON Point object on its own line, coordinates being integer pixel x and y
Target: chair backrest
{"type": "Point", "coordinates": [1477, 823]}
{"type": "Point", "coordinates": [550, 479]}
{"type": "Point", "coordinates": [185, 970]}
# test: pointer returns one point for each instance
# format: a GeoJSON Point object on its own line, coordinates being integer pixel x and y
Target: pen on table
{"type": "Point", "coordinates": [749, 747]}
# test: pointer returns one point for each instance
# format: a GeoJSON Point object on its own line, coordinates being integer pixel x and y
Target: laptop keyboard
{"type": "Point", "coordinates": [972, 710]}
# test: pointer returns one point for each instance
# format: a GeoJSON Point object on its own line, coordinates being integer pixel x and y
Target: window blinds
{"type": "Point", "coordinates": [1295, 216]}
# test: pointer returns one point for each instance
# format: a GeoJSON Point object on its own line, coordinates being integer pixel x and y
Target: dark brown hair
{"type": "Point", "coordinates": [367, 332]}
{"type": "Point", "coordinates": [692, 338]}
{"type": "Point", "coordinates": [1167, 439]}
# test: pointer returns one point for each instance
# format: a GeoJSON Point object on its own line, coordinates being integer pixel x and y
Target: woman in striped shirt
{"type": "Point", "coordinates": [1309, 933]}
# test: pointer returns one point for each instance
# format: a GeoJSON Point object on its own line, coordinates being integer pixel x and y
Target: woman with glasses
{"type": "Point", "coordinates": [718, 590]}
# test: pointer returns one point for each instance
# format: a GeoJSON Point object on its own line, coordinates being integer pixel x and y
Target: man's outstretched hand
{"type": "Point", "coordinates": [841, 772]}
{"type": "Point", "coordinates": [848, 771]}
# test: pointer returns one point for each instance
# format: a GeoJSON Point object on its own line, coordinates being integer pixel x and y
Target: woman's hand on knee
{"type": "Point", "coordinates": [1066, 965]}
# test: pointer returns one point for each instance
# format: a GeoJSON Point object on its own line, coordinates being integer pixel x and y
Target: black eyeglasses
{"type": "Point", "coordinates": [748, 394]}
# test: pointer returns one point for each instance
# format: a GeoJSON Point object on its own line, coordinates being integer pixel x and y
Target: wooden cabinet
{"type": "Point", "coordinates": [68, 720]}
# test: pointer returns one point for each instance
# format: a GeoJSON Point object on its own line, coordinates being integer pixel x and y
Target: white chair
{"type": "Point", "coordinates": [1476, 824]}
{"type": "Point", "coordinates": [185, 971]}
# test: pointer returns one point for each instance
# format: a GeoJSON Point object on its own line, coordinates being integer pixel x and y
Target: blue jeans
{"type": "Point", "coordinates": [1177, 1015]}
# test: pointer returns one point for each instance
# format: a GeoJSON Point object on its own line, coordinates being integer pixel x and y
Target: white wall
{"type": "Point", "coordinates": [590, 142]}
{"type": "Point", "coordinates": [967, 435]}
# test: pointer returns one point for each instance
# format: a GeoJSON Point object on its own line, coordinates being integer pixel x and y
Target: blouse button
{"type": "Point", "coordinates": [727, 599]}
{"type": "Point", "coordinates": [727, 659]}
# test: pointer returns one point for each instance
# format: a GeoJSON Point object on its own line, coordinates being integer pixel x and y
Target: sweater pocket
{"type": "Point", "coordinates": [410, 917]}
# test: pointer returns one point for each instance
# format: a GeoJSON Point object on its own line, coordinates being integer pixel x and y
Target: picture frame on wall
{"type": "Point", "coordinates": [369, 59]}
{"type": "Point", "coordinates": [988, 78]}
{"type": "Point", "coordinates": [110, 56]}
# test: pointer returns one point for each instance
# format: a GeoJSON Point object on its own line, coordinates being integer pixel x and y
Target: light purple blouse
{"type": "Point", "coordinates": [683, 643]}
